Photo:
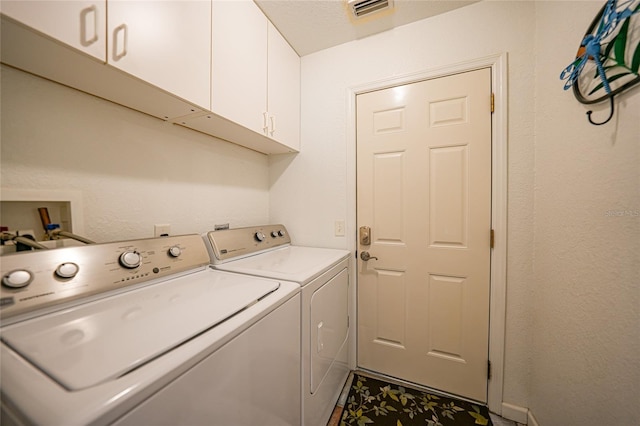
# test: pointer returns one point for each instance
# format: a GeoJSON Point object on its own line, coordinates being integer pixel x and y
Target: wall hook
{"type": "Point", "coordinates": [605, 121]}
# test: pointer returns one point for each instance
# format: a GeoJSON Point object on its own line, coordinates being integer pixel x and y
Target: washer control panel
{"type": "Point", "coordinates": [230, 244]}
{"type": "Point", "coordinates": [39, 279]}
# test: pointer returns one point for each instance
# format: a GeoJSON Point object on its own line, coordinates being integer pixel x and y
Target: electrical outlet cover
{"type": "Point", "coordinates": [163, 230]}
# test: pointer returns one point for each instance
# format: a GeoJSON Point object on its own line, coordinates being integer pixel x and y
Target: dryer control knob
{"type": "Point", "coordinates": [130, 259]}
{"type": "Point", "coordinates": [17, 279]}
{"type": "Point", "coordinates": [67, 270]}
{"type": "Point", "coordinates": [259, 236]}
{"type": "Point", "coordinates": [281, 233]}
{"type": "Point", "coordinates": [274, 234]}
{"type": "Point", "coordinates": [174, 251]}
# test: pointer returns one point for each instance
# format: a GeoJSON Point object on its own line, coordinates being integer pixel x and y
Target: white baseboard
{"type": "Point", "coordinates": [531, 419]}
{"type": "Point", "coordinates": [515, 413]}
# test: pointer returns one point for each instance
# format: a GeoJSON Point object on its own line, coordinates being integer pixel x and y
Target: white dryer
{"type": "Point", "coordinates": [145, 332]}
{"type": "Point", "coordinates": [323, 275]}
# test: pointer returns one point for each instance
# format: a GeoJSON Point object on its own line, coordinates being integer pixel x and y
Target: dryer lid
{"type": "Point", "coordinates": [290, 263]}
{"type": "Point", "coordinates": [105, 339]}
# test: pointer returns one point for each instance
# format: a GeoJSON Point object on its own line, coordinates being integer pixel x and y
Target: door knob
{"type": "Point", "coordinates": [364, 255]}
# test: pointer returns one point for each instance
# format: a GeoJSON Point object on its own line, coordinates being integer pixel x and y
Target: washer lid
{"type": "Point", "coordinates": [103, 340]}
{"type": "Point", "coordinates": [290, 263]}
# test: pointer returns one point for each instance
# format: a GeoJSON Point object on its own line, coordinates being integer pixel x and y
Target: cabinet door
{"type": "Point", "coordinates": [79, 24]}
{"type": "Point", "coordinates": [239, 65]}
{"type": "Point", "coordinates": [166, 43]}
{"type": "Point", "coordinates": [283, 92]}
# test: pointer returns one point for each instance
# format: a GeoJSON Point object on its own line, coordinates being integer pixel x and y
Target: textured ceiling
{"type": "Point", "coordinates": [313, 25]}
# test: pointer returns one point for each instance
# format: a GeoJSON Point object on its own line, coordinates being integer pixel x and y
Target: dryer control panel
{"type": "Point", "coordinates": [45, 278]}
{"type": "Point", "coordinates": [232, 244]}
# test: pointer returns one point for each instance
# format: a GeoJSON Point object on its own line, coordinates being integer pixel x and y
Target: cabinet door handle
{"type": "Point", "coordinates": [265, 122]}
{"type": "Point", "coordinates": [120, 47]}
{"type": "Point", "coordinates": [273, 124]}
{"type": "Point", "coordinates": [86, 24]}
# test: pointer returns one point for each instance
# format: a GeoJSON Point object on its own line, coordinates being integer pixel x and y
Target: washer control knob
{"type": "Point", "coordinates": [67, 270]}
{"type": "Point", "coordinates": [17, 279]}
{"type": "Point", "coordinates": [175, 251]}
{"type": "Point", "coordinates": [274, 234]}
{"type": "Point", "coordinates": [130, 259]}
{"type": "Point", "coordinates": [259, 236]}
{"type": "Point", "coordinates": [281, 233]}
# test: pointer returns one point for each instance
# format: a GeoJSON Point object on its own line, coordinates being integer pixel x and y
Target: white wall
{"type": "Point", "coordinates": [310, 191]}
{"type": "Point", "coordinates": [586, 305]}
{"type": "Point", "coordinates": [132, 170]}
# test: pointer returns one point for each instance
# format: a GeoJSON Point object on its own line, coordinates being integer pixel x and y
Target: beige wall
{"type": "Point", "coordinates": [586, 305]}
{"type": "Point", "coordinates": [131, 170]}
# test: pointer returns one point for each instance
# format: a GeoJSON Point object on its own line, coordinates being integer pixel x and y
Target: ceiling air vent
{"type": "Point", "coordinates": [361, 8]}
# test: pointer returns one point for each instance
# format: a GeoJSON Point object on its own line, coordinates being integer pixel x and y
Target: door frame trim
{"type": "Point", "coordinates": [499, 170]}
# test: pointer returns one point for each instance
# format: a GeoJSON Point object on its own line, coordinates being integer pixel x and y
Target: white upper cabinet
{"type": "Point", "coordinates": [239, 63]}
{"type": "Point", "coordinates": [79, 24]}
{"type": "Point", "coordinates": [283, 94]}
{"type": "Point", "coordinates": [215, 66]}
{"type": "Point", "coordinates": [165, 43]}
{"type": "Point", "coordinates": [255, 73]}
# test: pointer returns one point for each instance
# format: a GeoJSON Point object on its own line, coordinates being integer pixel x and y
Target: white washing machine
{"type": "Point", "coordinates": [145, 332]}
{"type": "Point", "coordinates": [323, 275]}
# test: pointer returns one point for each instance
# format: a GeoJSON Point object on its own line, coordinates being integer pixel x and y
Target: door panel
{"type": "Point", "coordinates": [387, 190]}
{"type": "Point", "coordinates": [448, 194]}
{"type": "Point", "coordinates": [424, 188]}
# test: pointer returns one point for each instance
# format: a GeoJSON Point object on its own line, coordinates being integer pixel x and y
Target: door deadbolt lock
{"type": "Point", "coordinates": [364, 255]}
{"type": "Point", "coordinates": [365, 235]}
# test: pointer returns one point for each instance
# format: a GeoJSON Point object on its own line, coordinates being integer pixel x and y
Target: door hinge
{"type": "Point", "coordinates": [493, 102]}
{"type": "Point", "coordinates": [488, 370]}
{"type": "Point", "coordinates": [492, 239]}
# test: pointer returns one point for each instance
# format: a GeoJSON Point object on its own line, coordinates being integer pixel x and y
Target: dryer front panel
{"type": "Point", "coordinates": [329, 326]}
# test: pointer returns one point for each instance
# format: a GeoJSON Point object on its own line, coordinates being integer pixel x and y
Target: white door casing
{"type": "Point", "coordinates": [424, 188]}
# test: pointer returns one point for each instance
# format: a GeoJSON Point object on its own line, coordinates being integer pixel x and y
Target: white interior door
{"type": "Point", "coordinates": [424, 189]}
